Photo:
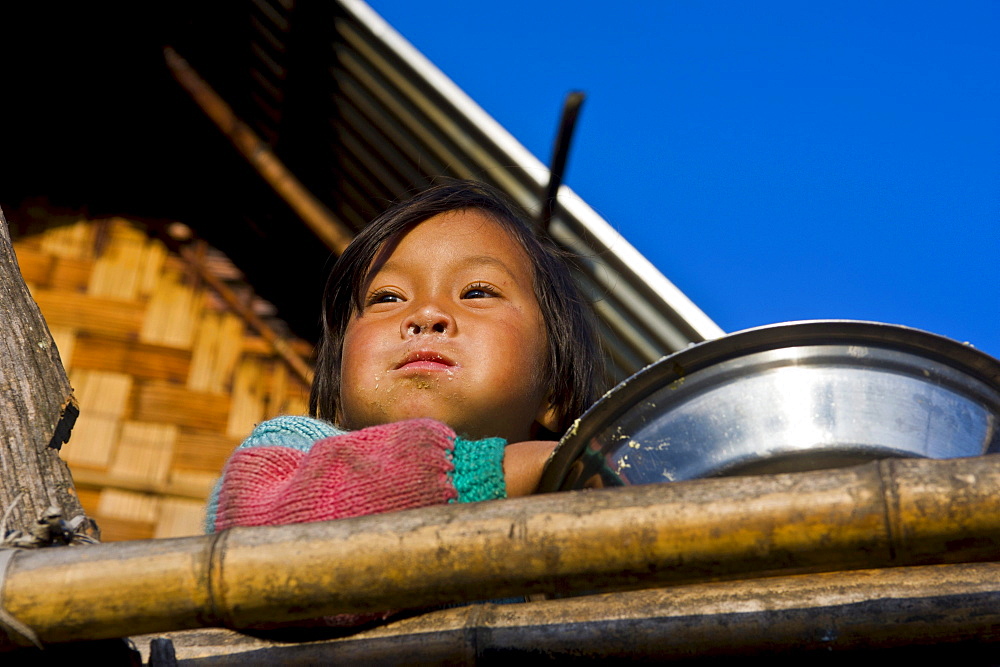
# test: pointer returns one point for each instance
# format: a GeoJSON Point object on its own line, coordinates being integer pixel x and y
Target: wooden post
{"type": "Point", "coordinates": [37, 407]}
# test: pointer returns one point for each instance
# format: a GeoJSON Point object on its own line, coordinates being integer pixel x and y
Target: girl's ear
{"type": "Point", "coordinates": [548, 416]}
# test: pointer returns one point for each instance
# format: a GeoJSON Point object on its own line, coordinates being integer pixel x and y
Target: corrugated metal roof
{"type": "Point", "coordinates": [362, 118]}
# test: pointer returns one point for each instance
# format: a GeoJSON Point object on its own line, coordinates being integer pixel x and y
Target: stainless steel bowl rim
{"type": "Point", "coordinates": [962, 357]}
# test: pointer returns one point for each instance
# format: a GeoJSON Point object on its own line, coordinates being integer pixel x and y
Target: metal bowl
{"type": "Point", "coordinates": [782, 398]}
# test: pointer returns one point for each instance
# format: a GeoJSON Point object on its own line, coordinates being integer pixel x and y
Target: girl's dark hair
{"type": "Point", "coordinates": [572, 369]}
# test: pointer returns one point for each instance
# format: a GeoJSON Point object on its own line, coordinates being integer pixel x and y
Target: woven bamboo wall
{"type": "Point", "coordinates": [169, 379]}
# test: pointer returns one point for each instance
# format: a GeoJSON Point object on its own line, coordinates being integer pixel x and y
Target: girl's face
{"type": "Point", "coordinates": [450, 329]}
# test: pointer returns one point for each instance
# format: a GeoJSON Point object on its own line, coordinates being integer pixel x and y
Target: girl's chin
{"type": "Point", "coordinates": [432, 405]}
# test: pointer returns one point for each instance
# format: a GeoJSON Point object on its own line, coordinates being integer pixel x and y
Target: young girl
{"type": "Point", "coordinates": [456, 347]}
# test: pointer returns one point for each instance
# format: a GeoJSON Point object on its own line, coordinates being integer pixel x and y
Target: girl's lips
{"type": "Point", "coordinates": [424, 366]}
{"type": "Point", "coordinates": [425, 360]}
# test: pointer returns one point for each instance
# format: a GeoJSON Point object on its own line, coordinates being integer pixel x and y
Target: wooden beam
{"type": "Point", "coordinates": [334, 233]}
{"type": "Point", "coordinates": [281, 347]}
{"type": "Point", "coordinates": [86, 478]}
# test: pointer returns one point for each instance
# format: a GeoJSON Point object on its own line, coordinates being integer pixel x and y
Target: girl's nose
{"type": "Point", "coordinates": [426, 319]}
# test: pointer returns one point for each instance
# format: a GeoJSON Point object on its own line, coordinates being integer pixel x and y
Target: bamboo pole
{"type": "Point", "coordinates": [335, 234]}
{"type": "Point", "coordinates": [281, 347]}
{"type": "Point", "coordinates": [895, 512]}
{"type": "Point", "coordinates": [832, 613]}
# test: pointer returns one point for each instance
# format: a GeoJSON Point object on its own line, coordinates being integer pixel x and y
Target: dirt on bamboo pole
{"type": "Point", "coordinates": [890, 513]}
{"type": "Point", "coordinates": [37, 407]}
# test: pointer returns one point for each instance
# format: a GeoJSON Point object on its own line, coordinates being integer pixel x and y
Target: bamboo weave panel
{"type": "Point", "coordinates": [168, 379]}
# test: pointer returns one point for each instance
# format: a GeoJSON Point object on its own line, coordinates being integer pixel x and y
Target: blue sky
{"type": "Point", "coordinates": [776, 160]}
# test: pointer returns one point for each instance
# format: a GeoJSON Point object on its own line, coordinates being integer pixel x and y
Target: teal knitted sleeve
{"type": "Point", "coordinates": [478, 473]}
{"type": "Point", "coordinates": [296, 432]}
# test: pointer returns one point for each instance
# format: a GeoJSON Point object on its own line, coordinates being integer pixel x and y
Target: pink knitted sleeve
{"type": "Point", "coordinates": [383, 468]}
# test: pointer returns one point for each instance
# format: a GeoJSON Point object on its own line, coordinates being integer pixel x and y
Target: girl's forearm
{"type": "Point", "coordinates": [523, 463]}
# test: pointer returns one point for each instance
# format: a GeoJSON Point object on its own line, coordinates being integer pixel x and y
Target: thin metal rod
{"type": "Point", "coordinates": [560, 154]}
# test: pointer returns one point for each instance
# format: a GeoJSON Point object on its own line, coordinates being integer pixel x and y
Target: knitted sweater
{"type": "Point", "coordinates": [299, 469]}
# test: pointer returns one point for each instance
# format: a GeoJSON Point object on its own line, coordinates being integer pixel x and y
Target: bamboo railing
{"type": "Point", "coordinates": [949, 607]}
{"type": "Point", "coordinates": [890, 513]}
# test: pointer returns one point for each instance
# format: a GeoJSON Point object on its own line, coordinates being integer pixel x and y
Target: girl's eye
{"type": "Point", "coordinates": [479, 291]}
{"type": "Point", "coordinates": [382, 296]}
